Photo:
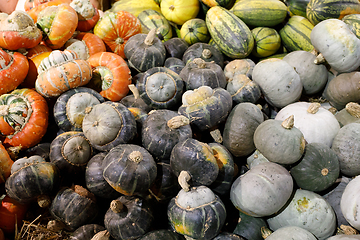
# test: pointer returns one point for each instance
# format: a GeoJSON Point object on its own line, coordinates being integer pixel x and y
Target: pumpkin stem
{"type": "Point", "coordinates": [319, 59]}
{"type": "Point", "coordinates": [332, 110]}
{"type": "Point", "coordinates": [265, 232]}
{"type": "Point", "coordinates": [134, 91]}
{"type": "Point", "coordinates": [183, 179]}
{"type": "Point", "coordinates": [353, 109]}
{"type": "Point", "coordinates": [102, 235]}
{"type": "Point", "coordinates": [348, 230]}
{"type": "Point", "coordinates": [116, 206]}
{"type": "Point", "coordinates": [216, 135]}
{"type": "Point", "coordinates": [206, 53]}
{"type": "Point", "coordinates": [43, 201]}
{"type": "Point", "coordinates": [199, 62]}
{"type": "Point", "coordinates": [288, 123]}
{"type": "Point", "coordinates": [178, 121]}
{"type": "Point", "coordinates": [4, 110]}
{"type": "Point", "coordinates": [314, 107]}
{"type": "Point", "coordinates": [324, 171]}
{"type": "Point", "coordinates": [84, 192]}
{"type": "Point", "coordinates": [149, 40]}
{"type": "Point", "coordinates": [135, 156]}
{"type": "Point", "coordinates": [88, 109]}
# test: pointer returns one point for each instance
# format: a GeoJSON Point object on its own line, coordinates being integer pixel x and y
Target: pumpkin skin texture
{"type": "Point", "coordinates": [344, 237]}
{"type": "Point", "coordinates": [194, 30]}
{"type": "Point", "coordinates": [239, 128]}
{"type": "Point", "coordinates": [135, 215]}
{"type": "Point", "coordinates": [239, 67]}
{"type": "Point", "coordinates": [174, 64]}
{"type": "Point", "coordinates": [352, 20]}
{"type": "Point", "coordinates": [11, 213]}
{"type": "Point", "coordinates": [86, 231]}
{"type": "Point", "coordinates": [349, 202]}
{"type": "Point", "coordinates": [85, 44]}
{"type": "Point", "coordinates": [339, 46]}
{"type": "Point", "coordinates": [250, 227]}
{"type": "Point", "coordinates": [204, 51]}
{"type": "Point", "coordinates": [130, 169]}
{"type": "Point", "coordinates": [279, 82]}
{"type": "Point", "coordinates": [175, 47]}
{"type": "Point", "coordinates": [74, 207]}
{"type": "Point", "coordinates": [263, 190]}
{"type": "Point", "coordinates": [197, 213]}
{"type": "Point", "coordinates": [179, 11]}
{"type": "Point", "coordinates": [150, 18]}
{"type": "Point", "coordinates": [291, 233]}
{"type": "Point", "coordinates": [349, 114]}
{"type": "Point", "coordinates": [108, 124]}
{"type": "Point", "coordinates": [267, 41]}
{"type": "Point", "coordinates": [307, 210]}
{"type": "Point", "coordinates": [159, 137]}
{"type": "Point", "coordinates": [348, 153]}
{"type": "Point", "coordinates": [318, 169]}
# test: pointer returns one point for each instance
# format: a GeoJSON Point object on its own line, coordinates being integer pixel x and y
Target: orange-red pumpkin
{"type": "Point", "coordinates": [5, 164]}
{"type": "Point", "coordinates": [11, 213]}
{"type": "Point", "coordinates": [88, 14]}
{"type": "Point", "coordinates": [39, 6]}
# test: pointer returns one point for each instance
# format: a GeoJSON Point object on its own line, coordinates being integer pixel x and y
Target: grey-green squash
{"type": "Point", "coordinates": [291, 233]}
{"type": "Point", "coordinates": [204, 51]}
{"type": "Point", "coordinates": [239, 67]}
{"type": "Point", "coordinates": [250, 227]}
{"type": "Point", "coordinates": [349, 114]}
{"type": "Point", "coordinates": [243, 89]}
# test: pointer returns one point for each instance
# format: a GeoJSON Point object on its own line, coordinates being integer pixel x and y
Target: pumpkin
{"type": "Point", "coordinates": [239, 128]}
{"type": "Point", "coordinates": [349, 114]}
{"type": "Point", "coordinates": [179, 11]}
{"type": "Point", "coordinates": [255, 158]}
{"type": "Point", "coordinates": [175, 47]}
{"type": "Point", "coordinates": [315, 122]}
{"type": "Point", "coordinates": [70, 107]}
{"type": "Point", "coordinates": [318, 169]}
{"type": "Point", "coordinates": [5, 164]}
{"type": "Point", "coordinates": [130, 169]}
{"type": "Point", "coordinates": [150, 18]}
{"type": "Point", "coordinates": [243, 89]}
{"type": "Point", "coordinates": [108, 124]}
{"type": "Point", "coordinates": [344, 237]}
{"type": "Point", "coordinates": [161, 88]}
{"type": "Point", "coordinates": [88, 15]}
{"type": "Point", "coordinates": [85, 44]}
{"type": "Point", "coordinates": [162, 234]}
{"type": "Point", "coordinates": [73, 215]}
{"type": "Point", "coordinates": [197, 213]}
{"type": "Point", "coordinates": [58, 22]}
{"type": "Point", "coordinates": [204, 51]}
{"type": "Point", "coordinates": [349, 203]}
{"type": "Point", "coordinates": [111, 72]}
{"type": "Point", "coordinates": [291, 233]}
{"type": "Point", "coordinates": [239, 67]}
{"type": "Point", "coordinates": [86, 231]}
{"type": "Point", "coordinates": [307, 210]}
{"type": "Point", "coordinates": [61, 71]}
{"type": "Point", "coordinates": [12, 213]}
{"type": "Point", "coordinates": [29, 106]}
{"type": "Point", "coordinates": [18, 30]}
{"type": "Point", "coordinates": [134, 100]}
{"type": "Point", "coordinates": [13, 70]}
{"type": "Point", "coordinates": [194, 30]}
{"type": "Point", "coordinates": [250, 227]}
{"type": "Point", "coordinates": [133, 213]}
{"type": "Point", "coordinates": [174, 64]}
{"type": "Point", "coordinates": [134, 7]}
{"type": "Point", "coordinates": [263, 190]}
{"type": "Point", "coordinates": [339, 47]}
{"type": "Point", "coordinates": [279, 82]}
{"type": "Point", "coordinates": [115, 29]}
{"type": "Point", "coordinates": [34, 11]}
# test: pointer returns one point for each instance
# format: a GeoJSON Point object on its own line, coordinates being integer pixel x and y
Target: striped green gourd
{"type": "Point", "coordinates": [154, 19]}
{"type": "Point", "coordinates": [297, 7]}
{"type": "Point", "coordinates": [353, 21]}
{"type": "Point", "coordinates": [319, 10]}
{"type": "Point", "coordinates": [194, 30]}
{"type": "Point", "coordinates": [295, 35]}
{"type": "Point", "coordinates": [230, 33]}
{"type": "Point", "coordinates": [267, 41]}
{"type": "Point", "coordinates": [260, 13]}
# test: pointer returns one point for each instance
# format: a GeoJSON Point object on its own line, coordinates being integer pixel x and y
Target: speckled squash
{"type": "Point", "coordinates": [194, 31]}
{"type": "Point", "coordinates": [204, 51]}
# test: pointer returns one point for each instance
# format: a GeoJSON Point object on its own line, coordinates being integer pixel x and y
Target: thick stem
{"type": "Point", "coordinates": [206, 53]}
{"type": "Point", "coordinates": [178, 121]}
{"type": "Point", "coordinates": [216, 135]}
{"type": "Point", "coordinates": [324, 171]}
{"type": "Point", "coordinates": [135, 156]}
{"type": "Point", "coordinates": [149, 40]}
{"type": "Point", "coordinates": [183, 179]}
{"type": "Point", "coordinates": [84, 192]}
{"type": "Point", "coordinates": [288, 123]}
{"type": "Point", "coordinates": [348, 230]}
{"type": "Point", "coordinates": [43, 201]}
{"type": "Point", "coordinates": [319, 59]}
{"type": "Point", "coordinates": [102, 235]}
{"type": "Point", "coordinates": [265, 232]}
{"type": "Point", "coordinates": [55, 225]}
{"type": "Point", "coordinates": [134, 90]}
{"type": "Point", "coordinates": [116, 206]}
{"type": "Point", "coordinates": [199, 62]}
{"type": "Point", "coordinates": [353, 109]}
{"type": "Point", "coordinates": [314, 107]}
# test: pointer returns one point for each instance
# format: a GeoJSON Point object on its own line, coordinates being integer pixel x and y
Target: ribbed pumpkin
{"type": "Point", "coordinates": [250, 227]}
{"type": "Point", "coordinates": [267, 41]}
{"type": "Point", "coordinates": [85, 44]}
{"type": "Point", "coordinates": [86, 231]}
{"type": "Point", "coordinates": [162, 234]}
{"type": "Point", "coordinates": [243, 89]}
{"type": "Point", "coordinates": [204, 51]}
{"type": "Point", "coordinates": [88, 14]}
{"type": "Point", "coordinates": [175, 47]}
{"type": "Point", "coordinates": [239, 67]}
{"type": "Point", "coordinates": [174, 64]}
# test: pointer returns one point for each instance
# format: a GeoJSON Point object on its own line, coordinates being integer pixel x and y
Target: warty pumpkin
{"type": "Point", "coordinates": [88, 15]}
{"type": "Point", "coordinates": [85, 44]}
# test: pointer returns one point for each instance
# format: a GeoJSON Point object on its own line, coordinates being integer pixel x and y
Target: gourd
{"type": "Point", "coordinates": [35, 10]}
{"type": "Point", "coordinates": [239, 67]}
{"type": "Point", "coordinates": [255, 158]}
{"type": "Point", "coordinates": [263, 190]}
{"type": "Point", "coordinates": [135, 7]}
{"type": "Point", "coordinates": [250, 227]}
{"type": "Point", "coordinates": [197, 213]}
{"type": "Point", "coordinates": [205, 51]}
{"type": "Point", "coordinates": [239, 128]}
{"type": "Point", "coordinates": [130, 169]}
{"type": "Point", "coordinates": [349, 114]}
{"type": "Point", "coordinates": [85, 44]}
{"type": "Point", "coordinates": [194, 31]}
{"type": "Point", "coordinates": [161, 130]}
{"type": "Point", "coordinates": [174, 64]}
{"type": "Point", "coordinates": [243, 89]}
{"type": "Point", "coordinates": [307, 210]}
{"type": "Point", "coordinates": [315, 122]}
{"type": "Point", "coordinates": [291, 233]}
{"type": "Point", "coordinates": [88, 14]}
{"type": "Point", "coordinates": [179, 11]}
{"type": "Point", "coordinates": [5, 164]}
{"type": "Point", "coordinates": [297, 7]}
{"type": "Point", "coordinates": [279, 82]}
{"type": "Point", "coordinates": [150, 18]}
{"type": "Point", "coordinates": [267, 41]}
{"type": "Point", "coordinates": [162, 234]}
{"type": "Point", "coordinates": [279, 141]}
{"type": "Point", "coordinates": [352, 20]}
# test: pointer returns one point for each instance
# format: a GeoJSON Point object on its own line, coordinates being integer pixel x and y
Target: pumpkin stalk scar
{"type": "Point", "coordinates": [116, 206]}
{"type": "Point", "coordinates": [135, 156]}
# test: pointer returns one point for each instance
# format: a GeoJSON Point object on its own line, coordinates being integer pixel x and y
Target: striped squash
{"type": "Point", "coordinates": [194, 31]}
{"type": "Point", "coordinates": [267, 41]}
{"type": "Point", "coordinates": [353, 21]}
{"type": "Point", "coordinates": [295, 35]}
{"type": "Point", "coordinates": [222, 3]}
{"type": "Point", "coordinates": [261, 13]}
{"type": "Point", "coordinates": [230, 33]}
{"type": "Point", "coordinates": [135, 7]}
{"type": "Point", "coordinates": [150, 19]}
{"type": "Point", "coordinates": [319, 10]}
{"type": "Point", "coordinates": [297, 7]}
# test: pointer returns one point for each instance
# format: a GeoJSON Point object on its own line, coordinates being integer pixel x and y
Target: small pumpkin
{"type": "Point", "coordinates": [291, 233]}
{"type": "Point", "coordinates": [85, 44]}
{"type": "Point", "coordinates": [174, 64]}
{"type": "Point", "coordinates": [88, 15]}
{"type": "Point", "coordinates": [204, 51]}
{"type": "Point", "coordinates": [239, 67]}
{"type": "Point", "coordinates": [86, 231]}
{"type": "Point", "coordinates": [250, 227]}
{"type": "Point", "coordinates": [194, 30]}
{"type": "Point", "coordinates": [175, 47]}
{"type": "Point", "coordinates": [348, 203]}
{"type": "Point", "coordinates": [162, 234]}
{"type": "Point", "coordinates": [267, 41]}
{"type": "Point", "coordinates": [243, 89]}
{"type": "Point", "coordinates": [39, 6]}
{"type": "Point", "coordinates": [349, 114]}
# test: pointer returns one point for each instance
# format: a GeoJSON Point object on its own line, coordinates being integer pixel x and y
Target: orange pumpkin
{"type": "Point", "coordinates": [115, 28]}
{"type": "Point", "coordinates": [13, 70]}
{"type": "Point", "coordinates": [2, 235]}
{"type": "Point", "coordinates": [88, 15]}
{"type": "Point", "coordinates": [24, 118]}
{"type": "Point", "coordinates": [34, 11]}
{"type": "Point", "coordinates": [58, 23]}
{"type": "Point", "coordinates": [86, 44]}
{"type": "Point", "coordinates": [113, 74]}
{"type": "Point", "coordinates": [11, 213]}
{"type": "Point", "coordinates": [5, 164]}
{"type": "Point", "coordinates": [30, 4]}
{"type": "Point", "coordinates": [61, 71]}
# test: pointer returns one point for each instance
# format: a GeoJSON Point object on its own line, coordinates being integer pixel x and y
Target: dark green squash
{"type": "Point", "coordinates": [174, 64]}
{"type": "Point", "coordinates": [204, 51]}
{"type": "Point", "coordinates": [161, 130]}
{"type": "Point", "coordinates": [175, 47]}
{"type": "Point", "coordinates": [228, 236]}
{"type": "Point", "coordinates": [250, 227]}
{"type": "Point", "coordinates": [161, 88]}
{"type": "Point", "coordinates": [86, 231]}
{"type": "Point", "coordinates": [243, 89]}
{"type": "Point", "coordinates": [134, 100]}
{"type": "Point", "coordinates": [130, 169]}
{"type": "Point", "coordinates": [162, 234]}
{"type": "Point", "coordinates": [133, 214]}
{"type": "Point", "coordinates": [318, 169]}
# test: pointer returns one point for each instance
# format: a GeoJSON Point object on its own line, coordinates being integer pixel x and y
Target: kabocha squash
{"type": "Point", "coordinates": [175, 47]}
{"type": "Point", "coordinates": [174, 64]}
{"type": "Point", "coordinates": [204, 51]}
{"type": "Point", "coordinates": [255, 158]}
{"type": "Point", "coordinates": [239, 67]}
{"type": "Point", "coordinates": [61, 71]}
{"type": "Point", "coordinates": [199, 73]}
{"type": "Point", "coordinates": [236, 40]}
{"type": "Point", "coordinates": [243, 89]}
{"type": "Point", "coordinates": [291, 233]}
{"type": "Point", "coordinates": [70, 107]}
{"type": "Point", "coordinates": [115, 29]}
{"type": "Point", "coordinates": [88, 14]}
{"type": "Point", "coordinates": [5, 164]}
{"type": "Point", "coordinates": [12, 213]}
{"type": "Point", "coordinates": [85, 44]}
{"type": "Point", "coordinates": [150, 19]}
{"type": "Point", "coordinates": [250, 227]}
{"type": "Point", "coordinates": [260, 13]}
{"type": "Point", "coordinates": [349, 202]}
{"type": "Point", "coordinates": [194, 30]}
{"type": "Point", "coordinates": [267, 41]}
{"type": "Point", "coordinates": [179, 12]}
{"type": "Point", "coordinates": [145, 51]}
{"type": "Point", "coordinates": [239, 128]}
{"type": "Point", "coordinates": [317, 11]}
{"type": "Point", "coordinates": [339, 47]}
{"type": "Point", "coordinates": [307, 210]}
{"type": "Point", "coordinates": [130, 169]}
{"type": "Point", "coordinates": [197, 213]}
{"type": "Point", "coordinates": [161, 88]}
{"type": "Point", "coordinates": [349, 114]}
{"type": "Point", "coordinates": [263, 190]}
{"type": "Point", "coordinates": [64, 209]}
{"type": "Point", "coordinates": [86, 231]}
{"type": "Point", "coordinates": [111, 72]}
{"type": "Point", "coordinates": [18, 30]}
{"type": "Point", "coordinates": [108, 124]}
{"type": "Point", "coordinates": [318, 169]}
{"type": "Point", "coordinates": [13, 70]}
{"type": "Point", "coordinates": [162, 234]}
{"type": "Point", "coordinates": [30, 110]}
{"type": "Point", "coordinates": [161, 130]}
{"type": "Point", "coordinates": [133, 214]}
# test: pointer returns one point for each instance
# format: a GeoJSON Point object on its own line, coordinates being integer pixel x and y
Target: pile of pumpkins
{"type": "Point", "coordinates": [181, 119]}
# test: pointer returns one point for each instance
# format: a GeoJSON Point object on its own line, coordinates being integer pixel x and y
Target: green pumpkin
{"type": "Point", "coordinates": [174, 64]}
{"type": "Point", "coordinates": [267, 41]}
{"type": "Point", "coordinates": [250, 227]}
{"type": "Point", "coordinates": [175, 47]}
{"type": "Point", "coordinates": [204, 51]}
{"type": "Point", "coordinates": [349, 114]}
{"type": "Point", "coordinates": [243, 89]}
